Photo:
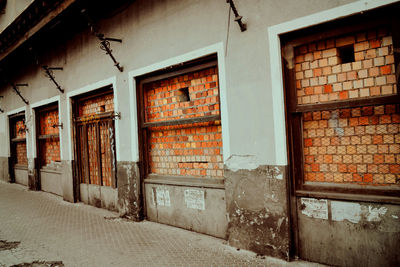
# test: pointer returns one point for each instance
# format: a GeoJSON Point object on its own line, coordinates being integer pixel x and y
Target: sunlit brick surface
{"type": "Point", "coordinates": [187, 149]}
{"type": "Point", "coordinates": [20, 129]}
{"type": "Point", "coordinates": [20, 147]}
{"type": "Point", "coordinates": [98, 134]}
{"type": "Point", "coordinates": [106, 157]}
{"type": "Point", "coordinates": [321, 77]}
{"type": "Point", "coordinates": [97, 105]}
{"type": "Point", "coordinates": [50, 148]}
{"type": "Point", "coordinates": [164, 100]}
{"type": "Point", "coordinates": [21, 153]}
{"type": "Point", "coordinates": [193, 150]}
{"type": "Point", "coordinates": [358, 145]}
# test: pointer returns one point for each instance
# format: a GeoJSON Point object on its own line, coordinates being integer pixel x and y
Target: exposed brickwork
{"type": "Point", "coordinates": [358, 145]}
{"type": "Point", "coordinates": [194, 150]}
{"type": "Point", "coordinates": [92, 106]}
{"type": "Point", "coordinates": [92, 153]}
{"type": "Point", "coordinates": [50, 151]}
{"type": "Point", "coordinates": [22, 157]}
{"type": "Point", "coordinates": [165, 99]}
{"type": "Point", "coordinates": [321, 78]}
{"type": "Point", "coordinates": [106, 157]}
{"type": "Point", "coordinates": [20, 147]}
{"type": "Point", "coordinates": [190, 149]}
{"type": "Point", "coordinates": [47, 120]}
{"type": "Point", "coordinates": [50, 147]}
{"type": "Point", "coordinates": [97, 105]}
{"type": "Point", "coordinates": [20, 129]}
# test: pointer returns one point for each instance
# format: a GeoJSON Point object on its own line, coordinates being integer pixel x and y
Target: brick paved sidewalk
{"type": "Point", "coordinates": [51, 229]}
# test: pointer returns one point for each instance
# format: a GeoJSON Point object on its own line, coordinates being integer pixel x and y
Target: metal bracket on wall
{"type": "Point", "coordinates": [238, 18]}
{"type": "Point", "coordinates": [49, 74]}
{"type": "Point", "coordinates": [104, 41]}
{"type": "Point", "coordinates": [15, 87]}
{"type": "Point", "coordinates": [57, 125]}
{"type": "Point", "coordinates": [117, 115]}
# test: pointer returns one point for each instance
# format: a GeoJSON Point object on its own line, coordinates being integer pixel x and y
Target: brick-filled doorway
{"type": "Point", "coordinates": [18, 161]}
{"type": "Point", "coordinates": [48, 148]}
{"type": "Point", "coordinates": [343, 125]}
{"type": "Point", "coordinates": [181, 146]}
{"type": "Point", "coordinates": [95, 138]}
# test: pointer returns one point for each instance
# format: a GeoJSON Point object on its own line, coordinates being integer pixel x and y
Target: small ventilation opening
{"type": "Point", "coordinates": [102, 108]}
{"type": "Point", "coordinates": [183, 94]}
{"type": "Point", "coordinates": [346, 53]}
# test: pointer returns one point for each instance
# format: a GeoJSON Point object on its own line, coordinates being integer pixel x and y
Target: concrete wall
{"type": "Point", "coordinates": [4, 169]}
{"type": "Point", "coordinates": [156, 31]}
{"type": "Point", "coordinates": [344, 233]}
{"type": "Point", "coordinates": [145, 41]}
{"type": "Point", "coordinates": [193, 208]}
{"type": "Point", "coordinates": [99, 196]}
{"type": "Point", "coordinates": [50, 181]}
{"type": "Point", "coordinates": [21, 176]}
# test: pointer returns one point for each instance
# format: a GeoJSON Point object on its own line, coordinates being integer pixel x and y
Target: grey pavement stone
{"type": "Point", "coordinates": [50, 229]}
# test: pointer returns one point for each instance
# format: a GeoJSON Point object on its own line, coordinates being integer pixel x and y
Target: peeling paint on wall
{"type": "Point", "coordinates": [315, 208]}
{"type": "Point", "coordinates": [162, 197]}
{"type": "Point", "coordinates": [128, 190]}
{"type": "Point", "coordinates": [258, 219]}
{"type": "Point", "coordinates": [194, 199]}
{"type": "Point", "coordinates": [375, 214]}
{"type": "Point", "coordinates": [238, 162]}
{"type": "Point", "coordinates": [345, 211]}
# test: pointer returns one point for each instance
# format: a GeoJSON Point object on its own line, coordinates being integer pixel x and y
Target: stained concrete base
{"type": "Point", "coordinates": [343, 233]}
{"type": "Point", "coordinates": [99, 196]}
{"type": "Point", "coordinates": [50, 181]}
{"type": "Point", "coordinates": [258, 212]}
{"type": "Point", "coordinates": [198, 209]}
{"type": "Point", "coordinates": [4, 169]}
{"type": "Point", "coordinates": [21, 175]}
{"type": "Point", "coordinates": [129, 190]}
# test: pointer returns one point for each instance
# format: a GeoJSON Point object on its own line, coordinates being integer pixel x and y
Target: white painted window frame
{"type": "Point", "coordinates": [133, 75]}
{"type": "Point", "coordinates": [112, 81]}
{"type": "Point", "coordinates": [9, 113]}
{"type": "Point", "coordinates": [52, 100]}
{"type": "Point", "coordinates": [278, 100]}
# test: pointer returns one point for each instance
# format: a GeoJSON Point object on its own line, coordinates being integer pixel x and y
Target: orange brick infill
{"type": "Point", "coordinates": [20, 129]}
{"type": "Point", "coordinates": [50, 151]}
{"type": "Point", "coordinates": [322, 77]}
{"type": "Point", "coordinates": [22, 157]}
{"type": "Point", "coordinates": [106, 155]}
{"type": "Point", "coordinates": [100, 173]}
{"type": "Point", "coordinates": [191, 150]}
{"type": "Point", "coordinates": [92, 106]}
{"type": "Point", "coordinates": [48, 122]}
{"type": "Point", "coordinates": [50, 147]}
{"type": "Point", "coordinates": [166, 100]}
{"type": "Point", "coordinates": [357, 145]}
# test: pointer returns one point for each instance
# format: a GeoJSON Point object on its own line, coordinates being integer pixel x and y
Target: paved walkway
{"type": "Point", "coordinates": [50, 229]}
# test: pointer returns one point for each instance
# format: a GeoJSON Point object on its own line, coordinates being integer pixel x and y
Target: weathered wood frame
{"type": "Point", "coordinates": [12, 161]}
{"type": "Point", "coordinates": [144, 127]}
{"type": "Point", "coordinates": [39, 138]}
{"type": "Point", "coordinates": [384, 194]}
{"type": "Point", "coordinates": [81, 142]}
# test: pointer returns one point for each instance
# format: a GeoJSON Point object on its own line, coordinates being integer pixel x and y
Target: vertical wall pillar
{"type": "Point", "coordinates": [69, 181]}
{"type": "Point", "coordinates": [129, 190]}
{"type": "Point", "coordinates": [258, 210]}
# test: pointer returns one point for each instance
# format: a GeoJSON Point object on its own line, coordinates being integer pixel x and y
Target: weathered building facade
{"type": "Point", "coordinates": [278, 131]}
